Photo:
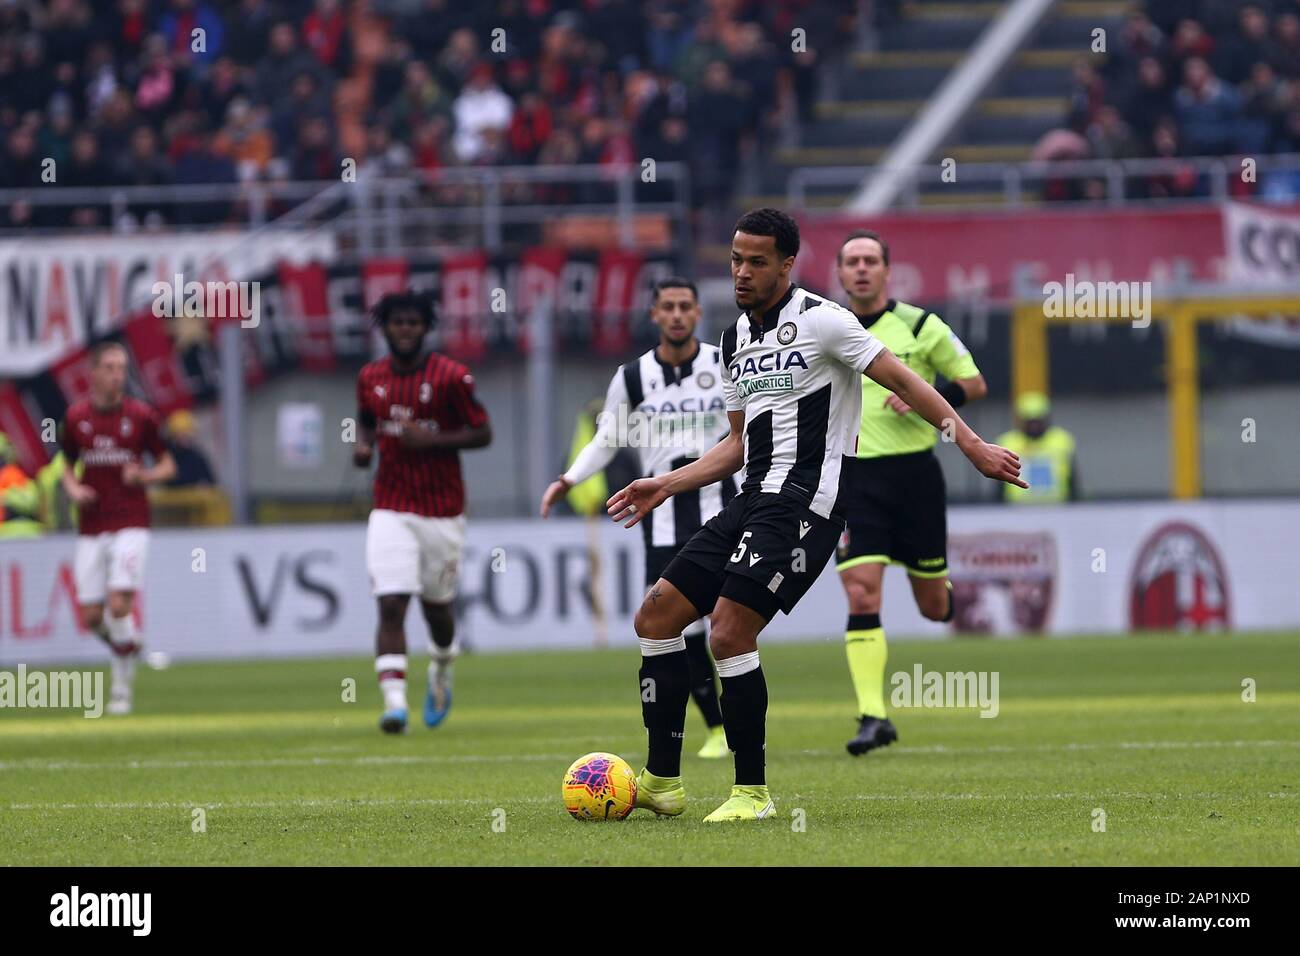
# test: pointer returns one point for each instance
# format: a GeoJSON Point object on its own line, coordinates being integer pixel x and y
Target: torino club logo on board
{"type": "Point", "coordinates": [1002, 582]}
{"type": "Point", "coordinates": [1179, 582]}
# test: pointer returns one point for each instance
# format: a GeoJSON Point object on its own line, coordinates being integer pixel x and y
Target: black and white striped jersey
{"type": "Point", "coordinates": [669, 415]}
{"type": "Point", "coordinates": [798, 378]}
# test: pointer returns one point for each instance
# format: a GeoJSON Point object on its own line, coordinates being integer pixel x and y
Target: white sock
{"type": "Point", "coordinates": [740, 664]}
{"type": "Point", "coordinates": [122, 633]}
{"type": "Point", "coordinates": [391, 669]}
{"type": "Point", "coordinates": [650, 647]}
{"type": "Point", "coordinates": [124, 639]}
{"type": "Point", "coordinates": [444, 657]}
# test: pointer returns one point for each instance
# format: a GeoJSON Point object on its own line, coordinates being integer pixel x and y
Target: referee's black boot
{"type": "Point", "coordinates": [873, 732]}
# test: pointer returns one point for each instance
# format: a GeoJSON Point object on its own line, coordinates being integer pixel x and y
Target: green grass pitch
{"type": "Point", "coordinates": [1150, 730]}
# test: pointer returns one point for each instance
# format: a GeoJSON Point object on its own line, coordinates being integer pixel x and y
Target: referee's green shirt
{"type": "Point", "coordinates": [925, 344]}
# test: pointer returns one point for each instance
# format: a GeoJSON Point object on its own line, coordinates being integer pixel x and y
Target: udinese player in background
{"type": "Point", "coordinates": [678, 382]}
{"type": "Point", "coordinates": [421, 409]}
{"type": "Point", "coordinates": [895, 511]}
{"type": "Point", "coordinates": [108, 435]}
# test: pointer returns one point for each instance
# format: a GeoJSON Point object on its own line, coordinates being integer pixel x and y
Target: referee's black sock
{"type": "Point", "coordinates": [704, 689]}
{"type": "Point", "coordinates": [665, 689]}
{"type": "Point", "coordinates": [744, 711]}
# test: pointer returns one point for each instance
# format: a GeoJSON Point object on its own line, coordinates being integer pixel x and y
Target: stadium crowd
{"type": "Point", "coordinates": [1188, 78]}
{"type": "Point", "coordinates": [120, 93]}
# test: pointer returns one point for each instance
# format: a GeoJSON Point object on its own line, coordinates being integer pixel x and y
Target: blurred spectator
{"type": "Point", "coordinates": [283, 61]}
{"type": "Point", "coordinates": [530, 128]}
{"type": "Point", "coordinates": [193, 32]}
{"type": "Point", "coordinates": [1183, 181]}
{"type": "Point", "coordinates": [315, 158]}
{"type": "Point", "coordinates": [156, 87]}
{"type": "Point", "coordinates": [717, 117]}
{"type": "Point", "coordinates": [192, 467]}
{"type": "Point", "coordinates": [324, 33]}
{"type": "Point", "coordinates": [420, 98]}
{"type": "Point", "coordinates": [1284, 51]}
{"type": "Point", "coordinates": [250, 26]}
{"type": "Point", "coordinates": [1266, 102]}
{"type": "Point", "coordinates": [1242, 48]}
{"type": "Point", "coordinates": [1138, 39]}
{"type": "Point", "coordinates": [481, 107]}
{"type": "Point", "coordinates": [1207, 110]}
{"type": "Point", "coordinates": [244, 140]}
{"type": "Point", "coordinates": [145, 165]}
{"type": "Point", "coordinates": [85, 169]}
{"type": "Point", "coordinates": [1148, 101]}
{"type": "Point", "coordinates": [1190, 40]}
{"type": "Point", "coordinates": [1087, 94]}
{"type": "Point", "coordinates": [1110, 137]}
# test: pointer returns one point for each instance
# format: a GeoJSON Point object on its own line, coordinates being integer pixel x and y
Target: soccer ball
{"type": "Point", "coordinates": [599, 786]}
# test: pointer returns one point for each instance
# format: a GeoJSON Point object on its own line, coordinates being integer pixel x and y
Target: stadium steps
{"type": "Point", "coordinates": [879, 92]}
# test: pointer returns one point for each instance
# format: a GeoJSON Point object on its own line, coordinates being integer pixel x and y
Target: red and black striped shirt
{"type": "Point", "coordinates": [104, 440]}
{"type": "Point", "coordinates": [438, 391]}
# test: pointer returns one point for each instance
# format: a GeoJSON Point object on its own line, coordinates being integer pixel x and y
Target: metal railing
{"type": "Point", "coordinates": [1121, 181]}
{"type": "Point", "coordinates": [392, 214]}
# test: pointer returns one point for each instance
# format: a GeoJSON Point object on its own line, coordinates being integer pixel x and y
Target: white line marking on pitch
{"type": "Point", "coordinates": [398, 759]}
{"type": "Point", "coordinates": [461, 801]}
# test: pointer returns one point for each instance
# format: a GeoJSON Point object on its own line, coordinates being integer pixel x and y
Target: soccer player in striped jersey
{"type": "Point", "coordinates": [668, 406]}
{"type": "Point", "coordinates": [896, 509]}
{"type": "Point", "coordinates": [109, 434]}
{"type": "Point", "coordinates": [420, 409]}
{"type": "Point", "coordinates": [794, 402]}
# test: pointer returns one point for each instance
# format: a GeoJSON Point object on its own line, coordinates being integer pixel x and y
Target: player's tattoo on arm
{"type": "Point", "coordinates": [654, 594]}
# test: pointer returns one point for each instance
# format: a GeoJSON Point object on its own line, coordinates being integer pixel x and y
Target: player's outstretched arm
{"type": "Point", "coordinates": [645, 494]}
{"type": "Point", "coordinates": [992, 461]}
{"type": "Point", "coordinates": [597, 453]}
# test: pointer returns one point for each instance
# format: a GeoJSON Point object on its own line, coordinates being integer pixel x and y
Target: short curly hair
{"type": "Point", "coordinates": [772, 222]}
{"type": "Point", "coordinates": [421, 302]}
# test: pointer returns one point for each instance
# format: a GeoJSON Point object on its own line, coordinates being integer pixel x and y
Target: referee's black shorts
{"type": "Point", "coordinates": [896, 512]}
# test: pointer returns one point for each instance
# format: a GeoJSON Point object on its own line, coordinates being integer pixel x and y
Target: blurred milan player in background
{"type": "Point", "coordinates": [105, 438]}
{"type": "Point", "coordinates": [422, 407]}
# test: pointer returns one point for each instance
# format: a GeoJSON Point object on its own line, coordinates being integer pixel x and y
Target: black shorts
{"type": "Point", "coordinates": [762, 550]}
{"type": "Point", "coordinates": [896, 511]}
{"type": "Point", "coordinates": [656, 559]}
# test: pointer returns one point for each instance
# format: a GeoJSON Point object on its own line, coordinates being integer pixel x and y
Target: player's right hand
{"type": "Point", "coordinates": [998, 463]}
{"type": "Point", "coordinates": [554, 492]}
{"type": "Point", "coordinates": [636, 500]}
{"type": "Point", "coordinates": [361, 456]}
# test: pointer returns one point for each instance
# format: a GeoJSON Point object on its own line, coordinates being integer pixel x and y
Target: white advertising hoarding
{"type": "Point", "coordinates": [57, 295]}
{"type": "Point", "coordinates": [527, 584]}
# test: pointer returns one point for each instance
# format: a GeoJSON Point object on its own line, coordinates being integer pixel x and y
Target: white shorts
{"type": "Point", "coordinates": [110, 561]}
{"type": "Point", "coordinates": [411, 554]}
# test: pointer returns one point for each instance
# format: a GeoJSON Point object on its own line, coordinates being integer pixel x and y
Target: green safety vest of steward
{"type": "Point", "coordinates": [1046, 463]}
{"type": "Point", "coordinates": [924, 343]}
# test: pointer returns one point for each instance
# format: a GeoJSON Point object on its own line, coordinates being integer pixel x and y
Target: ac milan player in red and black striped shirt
{"type": "Point", "coordinates": [106, 437]}
{"type": "Point", "coordinates": [421, 409]}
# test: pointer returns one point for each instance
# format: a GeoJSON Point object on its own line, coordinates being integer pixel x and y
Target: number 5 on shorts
{"type": "Point", "coordinates": [740, 548]}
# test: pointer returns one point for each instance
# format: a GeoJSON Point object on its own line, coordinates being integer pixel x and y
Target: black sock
{"type": "Point", "coordinates": [744, 709]}
{"type": "Point", "coordinates": [703, 688]}
{"type": "Point", "coordinates": [665, 689]}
